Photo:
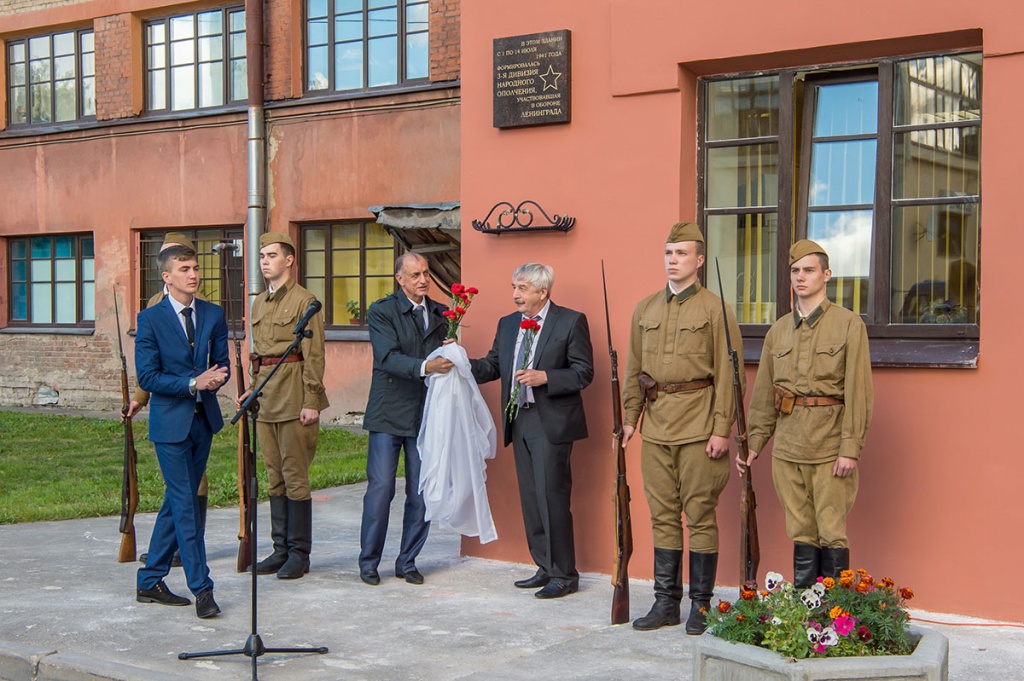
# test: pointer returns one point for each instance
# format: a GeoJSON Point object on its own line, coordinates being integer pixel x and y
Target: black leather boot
{"type": "Point", "coordinates": [703, 568]}
{"type": "Point", "coordinates": [300, 539]}
{"type": "Point", "coordinates": [668, 591]}
{"type": "Point", "coordinates": [834, 561]}
{"type": "Point", "coordinates": [279, 533]}
{"type": "Point", "coordinates": [806, 565]}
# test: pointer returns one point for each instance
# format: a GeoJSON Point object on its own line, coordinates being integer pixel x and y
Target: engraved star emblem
{"type": "Point", "coordinates": [553, 75]}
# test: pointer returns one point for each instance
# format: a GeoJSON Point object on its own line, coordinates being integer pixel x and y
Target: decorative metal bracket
{"type": "Point", "coordinates": [519, 220]}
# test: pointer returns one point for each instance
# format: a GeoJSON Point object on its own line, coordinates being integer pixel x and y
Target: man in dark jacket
{"type": "Point", "coordinates": [545, 370]}
{"type": "Point", "coordinates": [405, 327]}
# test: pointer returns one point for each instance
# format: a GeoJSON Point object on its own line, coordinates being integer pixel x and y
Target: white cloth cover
{"type": "Point", "coordinates": [456, 436]}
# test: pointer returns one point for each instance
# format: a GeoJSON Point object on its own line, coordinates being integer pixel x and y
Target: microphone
{"type": "Point", "coordinates": [229, 246]}
{"type": "Point", "coordinates": [313, 308]}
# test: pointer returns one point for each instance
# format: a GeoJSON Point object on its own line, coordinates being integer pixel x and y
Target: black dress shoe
{"type": "Point", "coordinates": [370, 576]}
{"type": "Point", "coordinates": [206, 607]}
{"type": "Point", "coordinates": [535, 582]}
{"type": "Point", "coordinates": [160, 594]}
{"type": "Point", "coordinates": [412, 576]}
{"type": "Point", "coordinates": [556, 589]}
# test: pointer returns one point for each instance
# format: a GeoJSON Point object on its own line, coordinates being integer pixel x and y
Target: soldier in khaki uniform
{"type": "Point", "coordinates": [141, 397]}
{"type": "Point", "coordinates": [288, 423]}
{"type": "Point", "coordinates": [679, 376]}
{"type": "Point", "coordinates": [813, 391]}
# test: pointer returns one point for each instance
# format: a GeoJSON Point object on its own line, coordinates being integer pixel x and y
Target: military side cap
{"type": "Point", "coordinates": [802, 249]}
{"type": "Point", "coordinates": [684, 231]}
{"type": "Point", "coordinates": [177, 239]}
{"type": "Point", "coordinates": [276, 238]}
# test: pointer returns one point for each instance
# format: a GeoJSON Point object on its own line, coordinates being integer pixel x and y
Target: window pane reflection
{"type": "Point", "coordinates": [746, 249]}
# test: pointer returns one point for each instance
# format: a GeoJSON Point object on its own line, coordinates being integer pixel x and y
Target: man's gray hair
{"type": "Point", "coordinates": [541, 276]}
{"type": "Point", "coordinates": [408, 255]}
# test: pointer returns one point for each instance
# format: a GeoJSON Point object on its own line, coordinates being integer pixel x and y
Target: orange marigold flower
{"type": "Point", "coordinates": [888, 583]}
{"type": "Point", "coordinates": [835, 612]}
{"type": "Point", "coordinates": [846, 574]}
{"type": "Point", "coordinates": [861, 571]}
{"type": "Point", "coordinates": [828, 582]}
{"type": "Point", "coordinates": [868, 578]}
{"type": "Point", "coordinates": [862, 587]}
{"type": "Point", "coordinates": [846, 582]}
{"type": "Point", "coordinates": [723, 606]}
{"type": "Point", "coordinates": [881, 606]}
{"type": "Point", "coordinates": [764, 594]}
{"type": "Point", "coordinates": [740, 618]}
{"type": "Point", "coordinates": [747, 594]}
{"type": "Point", "coordinates": [906, 594]}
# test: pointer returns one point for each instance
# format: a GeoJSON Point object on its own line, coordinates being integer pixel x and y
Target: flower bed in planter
{"type": "Point", "coordinates": [715, 659]}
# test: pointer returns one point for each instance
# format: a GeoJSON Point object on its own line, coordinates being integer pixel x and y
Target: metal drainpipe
{"type": "Point", "coordinates": [257, 169]}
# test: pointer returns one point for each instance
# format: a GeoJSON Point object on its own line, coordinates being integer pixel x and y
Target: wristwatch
{"type": "Point", "coordinates": [192, 385]}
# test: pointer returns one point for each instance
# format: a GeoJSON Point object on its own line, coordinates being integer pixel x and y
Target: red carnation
{"type": "Point", "coordinates": [529, 325]}
{"type": "Point", "coordinates": [450, 314]}
{"type": "Point", "coordinates": [458, 288]}
{"type": "Point", "coordinates": [472, 290]}
{"type": "Point", "coordinates": [460, 310]}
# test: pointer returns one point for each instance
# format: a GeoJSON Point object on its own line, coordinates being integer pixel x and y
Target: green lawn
{"type": "Point", "coordinates": [58, 467]}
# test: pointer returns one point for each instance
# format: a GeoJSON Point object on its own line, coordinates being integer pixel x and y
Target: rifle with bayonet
{"type": "Point", "coordinates": [750, 545]}
{"type": "Point", "coordinates": [246, 506]}
{"type": "Point", "coordinates": [129, 473]}
{"type": "Point", "coordinates": [620, 497]}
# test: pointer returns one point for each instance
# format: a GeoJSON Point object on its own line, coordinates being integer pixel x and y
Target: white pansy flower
{"type": "Point", "coordinates": [811, 599]}
{"type": "Point", "coordinates": [818, 588]}
{"type": "Point", "coordinates": [773, 580]}
{"type": "Point", "coordinates": [828, 637]}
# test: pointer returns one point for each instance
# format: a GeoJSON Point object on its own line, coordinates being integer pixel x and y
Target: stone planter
{"type": "Point", "coordinates": [718, 660]}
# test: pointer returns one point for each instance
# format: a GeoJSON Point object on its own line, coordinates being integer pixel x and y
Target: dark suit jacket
{"type": "Point", "coordinates": [164, 363]}
{"type": "Point", "coordinates": [564, 352]}
{"type": "Point", "coordinates": [397, 392]}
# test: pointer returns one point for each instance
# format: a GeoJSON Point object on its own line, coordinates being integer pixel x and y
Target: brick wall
{"type": "Point", "coordinates": [17, 6]}
{"type": "Point", "coordinates": [115, 68]}
{"type": "Point", "coordinates": [84, 371]}
{"type": "Point", "coordinates": [283, 66]}
{"type": "Point", "coordinates": [444, 40]}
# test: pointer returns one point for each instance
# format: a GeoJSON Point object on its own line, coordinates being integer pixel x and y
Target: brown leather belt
{"type": "Point", "coordinates": [786, 400]}
{"type": "Point", "coordinates": [271, 361]}
{"type": "Point", "coordinates": [650, 388]}
{"type": "Point", "coordinates": [258, 362]}
{"type": "Point", "coordinates": [669, 388]}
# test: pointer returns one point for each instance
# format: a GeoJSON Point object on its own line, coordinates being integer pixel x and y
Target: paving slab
{"type": "Point", "coordinates": [63, 594]}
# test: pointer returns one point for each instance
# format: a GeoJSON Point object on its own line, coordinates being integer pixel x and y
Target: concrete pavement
{"type": "Point", "coordinates": [62, 592]}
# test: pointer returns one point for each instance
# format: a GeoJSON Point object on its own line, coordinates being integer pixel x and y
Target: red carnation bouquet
{"type": "Point", "coordinates": [462, 298]}
{"type": "Point", "coordinates": [530, 329]}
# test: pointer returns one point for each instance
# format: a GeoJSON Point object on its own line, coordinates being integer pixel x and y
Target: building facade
{"type": "Point", "coordinates": [882, 130]}
{"type": "Point", "coordinates": [122, 121]}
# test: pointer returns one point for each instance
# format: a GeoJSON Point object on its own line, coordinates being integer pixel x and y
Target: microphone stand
{"type": "Point", "coordinates": [254, 647]}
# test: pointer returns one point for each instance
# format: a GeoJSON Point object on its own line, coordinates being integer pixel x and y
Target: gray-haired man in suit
{"type": "Point", "coordinates": [551, 418]}
{"type": "Point", "coordinates": [405, 327]}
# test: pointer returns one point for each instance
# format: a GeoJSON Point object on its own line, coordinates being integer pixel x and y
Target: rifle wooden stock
{"type": "Point", "coordinates": [246, 474]}
{"type": "Point", "coordinates": [620, 497]}
{"type": "Point", "coordinates": [129, 472]}
{"type": "Point", "coordinates": [750, 543]}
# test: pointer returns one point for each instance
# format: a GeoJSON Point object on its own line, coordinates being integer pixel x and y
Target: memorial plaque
{"type": "Point", "coordinates": [532, 83]}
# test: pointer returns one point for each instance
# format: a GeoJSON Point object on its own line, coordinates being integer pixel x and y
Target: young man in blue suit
{"type": "Point", "coordinates": [181, 358]}
{"type": "Point", "coordinates": [550, 418]}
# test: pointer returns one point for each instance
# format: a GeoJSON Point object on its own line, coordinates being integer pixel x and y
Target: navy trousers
{"type": "Point", "coordinates": [177, 524]}
{"type": "Point", "coordinates": [381, 468]}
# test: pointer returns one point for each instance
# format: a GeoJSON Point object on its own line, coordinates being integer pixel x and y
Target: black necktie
{"type": "Point", "coordinates": [421, 312]}
{"type": "Point", "coordinates": [190, 329]}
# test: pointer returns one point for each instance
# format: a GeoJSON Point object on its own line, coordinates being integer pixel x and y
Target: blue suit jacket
{"type": "Point", "coordinates": [164, 364]}
{"type": "Point", "coordinates": [564, 352]}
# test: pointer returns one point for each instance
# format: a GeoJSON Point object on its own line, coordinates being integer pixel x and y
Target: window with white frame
{"type": "Point", "coordinates": [363, 44]}
{"type": "Point", "coordinates": [196, 61]}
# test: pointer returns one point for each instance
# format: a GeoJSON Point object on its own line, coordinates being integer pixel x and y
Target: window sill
{"type": "Point", "coordinates": [933, 353]}
{"type": "Point", "coordinates": [347, 334]}
{"type": "Point", "coordinates": [56, 330]}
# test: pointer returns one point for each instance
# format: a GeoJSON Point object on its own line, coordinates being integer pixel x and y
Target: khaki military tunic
{"type": "Point", "coordinates": [142, 397]}
{"type": "Point", "coordinates": [825, 354]}
{"type": "Point", "coordinates": [287, 446]}
{"type": "Point", "coordinates": [678, 339]}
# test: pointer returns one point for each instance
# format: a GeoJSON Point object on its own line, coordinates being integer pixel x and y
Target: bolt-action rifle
{"type": "Point", "coordinates": [620, 497]}
{"type": "Point", "coordinates": [750, 545]}
{"type": "Point", "coordinates": [129, 473]}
